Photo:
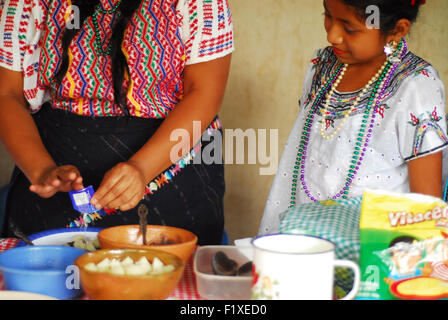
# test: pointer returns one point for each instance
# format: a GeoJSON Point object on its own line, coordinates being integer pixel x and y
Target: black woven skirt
{"type": "Point", "coordinates": [191, 197]}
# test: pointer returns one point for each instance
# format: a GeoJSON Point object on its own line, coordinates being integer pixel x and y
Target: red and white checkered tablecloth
{"type": "Point", "coordinates": [185, 290]}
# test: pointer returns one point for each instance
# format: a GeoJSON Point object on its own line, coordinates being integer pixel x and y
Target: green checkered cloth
{"type": "Point", "coordinates": [334, 220]}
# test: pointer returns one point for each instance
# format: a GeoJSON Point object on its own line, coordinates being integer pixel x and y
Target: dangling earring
{"type": "Point", "coordinates": [391, 51]}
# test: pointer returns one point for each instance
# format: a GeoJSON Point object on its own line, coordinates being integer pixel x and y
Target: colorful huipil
{"type": "Point", "coordinates": [162, 38]}
{"type": "Point", "coordinates": [410, 122]}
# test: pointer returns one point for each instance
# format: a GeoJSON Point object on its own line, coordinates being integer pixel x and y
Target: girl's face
{"type": "Point", "coordinates": [353, 42]}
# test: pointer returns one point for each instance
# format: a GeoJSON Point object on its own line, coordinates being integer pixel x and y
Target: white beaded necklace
{"type": "Point", "coordinates": [347, 114]}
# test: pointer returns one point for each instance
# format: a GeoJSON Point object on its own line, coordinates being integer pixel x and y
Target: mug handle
{"type": "Point", "coordinates": [357, 279]}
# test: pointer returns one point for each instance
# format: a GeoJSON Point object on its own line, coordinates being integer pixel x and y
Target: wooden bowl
{"type": "Point", "coordinates": [173, 240]}
{"type": "Point", "coordinates": [107, 286]}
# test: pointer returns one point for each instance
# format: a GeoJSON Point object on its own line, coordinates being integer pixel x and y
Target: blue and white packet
{"type": "Point", "coordinates": [81, 200]}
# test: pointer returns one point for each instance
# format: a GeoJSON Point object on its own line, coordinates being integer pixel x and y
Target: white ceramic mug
{"type": "Point", "coordinates": [296, 267]}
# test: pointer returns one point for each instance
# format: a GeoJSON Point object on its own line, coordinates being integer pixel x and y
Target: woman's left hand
{"type": "Point", "coordinates": [122, 188]}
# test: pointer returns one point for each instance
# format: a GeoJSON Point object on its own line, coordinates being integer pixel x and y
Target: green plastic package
{"type": "Point", "coordinates": [404, 246]}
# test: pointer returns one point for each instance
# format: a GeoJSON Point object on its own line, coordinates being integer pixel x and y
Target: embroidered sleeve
{"type": "Point", "coordinates": [207, 29]}
{"type": "Point", "coordinates": [14, 19]}
{"type": "Point", "coordinates": [421, 125]}
{"type": "Point", "coordinates": [311, 84]}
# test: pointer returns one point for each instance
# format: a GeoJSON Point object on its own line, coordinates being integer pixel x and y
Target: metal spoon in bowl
{"type": "Point", "coordinates": [143, 213]}
{"type": "Point", "coordinates": [22, 236]}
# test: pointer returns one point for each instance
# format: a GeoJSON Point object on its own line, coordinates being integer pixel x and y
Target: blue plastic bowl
{"type": "Point", "coordinates": [48, 270]}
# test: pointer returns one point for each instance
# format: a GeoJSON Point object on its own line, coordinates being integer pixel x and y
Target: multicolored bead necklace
{"type": "Point", "coordinates": [353, 106]}
{"type": "Point", "coordinates": [96, 28]}
{"type": "Point", "coordinates": [362, 138]}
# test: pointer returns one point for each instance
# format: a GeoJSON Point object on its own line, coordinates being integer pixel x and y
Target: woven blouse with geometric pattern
{"type": "Point", "coordinates": [163, 36]}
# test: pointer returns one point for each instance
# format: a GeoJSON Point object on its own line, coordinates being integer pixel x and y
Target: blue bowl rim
{"type": "Point", "coordinates": [45, 233]}
{"type": "Point", "coordinates": [37, 272]}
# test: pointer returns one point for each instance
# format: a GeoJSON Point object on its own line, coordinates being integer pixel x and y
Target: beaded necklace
{"type": "Point", "coordinates": [96, 28]}
{"type": "Point", "coordinates": [353, 106]}
{"type": "Point", "coordinates": [363, 136]}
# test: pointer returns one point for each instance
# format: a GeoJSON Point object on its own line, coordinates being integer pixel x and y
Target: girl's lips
{"type": "Point", "coordinates": [338, 51]}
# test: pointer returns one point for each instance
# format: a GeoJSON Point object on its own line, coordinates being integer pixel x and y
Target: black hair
{"type": "Point", "coordinates": [119, 63]}
{"type": "Point", "coordinates": [405, 239]}
{"type": "Point", "coordinates": [401, 239]}
{"type": "Point", "coordinates": [391, 11]}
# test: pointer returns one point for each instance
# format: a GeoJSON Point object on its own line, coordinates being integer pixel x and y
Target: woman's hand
{"type": "Point", "coordinates": [63, 178]}
{"type": "Point", "coordinates": [204, 84]}
{"type": "Point", "coordinates": [122, 187]}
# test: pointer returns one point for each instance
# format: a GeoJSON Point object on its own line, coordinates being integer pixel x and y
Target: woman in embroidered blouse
{"type": "Point", "coordinates": [387, 135]}
{"type": "Point", "coordinates": [107, 85]}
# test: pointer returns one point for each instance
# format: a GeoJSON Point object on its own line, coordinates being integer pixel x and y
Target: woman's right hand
{"type": "Point", "coordinates": [63, 178]}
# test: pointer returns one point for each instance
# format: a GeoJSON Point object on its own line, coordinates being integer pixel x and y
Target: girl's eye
{"type": "Point", "coordinates": [350, 31]}
{"type": "Point", "coordinates": [326, 14]}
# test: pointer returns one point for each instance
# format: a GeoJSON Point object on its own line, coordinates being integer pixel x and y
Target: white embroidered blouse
{"type": "Point", "coordinates": [410, 123]}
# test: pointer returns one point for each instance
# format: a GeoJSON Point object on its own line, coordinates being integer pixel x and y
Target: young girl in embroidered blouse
{"type": "Point", "coordinates": [372, 114]}
{"type": "Point", "coordinates": [91, 97]}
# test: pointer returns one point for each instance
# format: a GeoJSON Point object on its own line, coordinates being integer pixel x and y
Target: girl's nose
{"type": "Point", "coordinates": [334, 36]}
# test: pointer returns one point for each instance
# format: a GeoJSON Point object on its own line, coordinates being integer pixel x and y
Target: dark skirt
{"type": "Point", "coordinates": [192, 199]}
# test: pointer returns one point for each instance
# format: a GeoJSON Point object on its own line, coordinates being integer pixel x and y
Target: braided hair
{"type": "Point", "coordinates": [119, 63]}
